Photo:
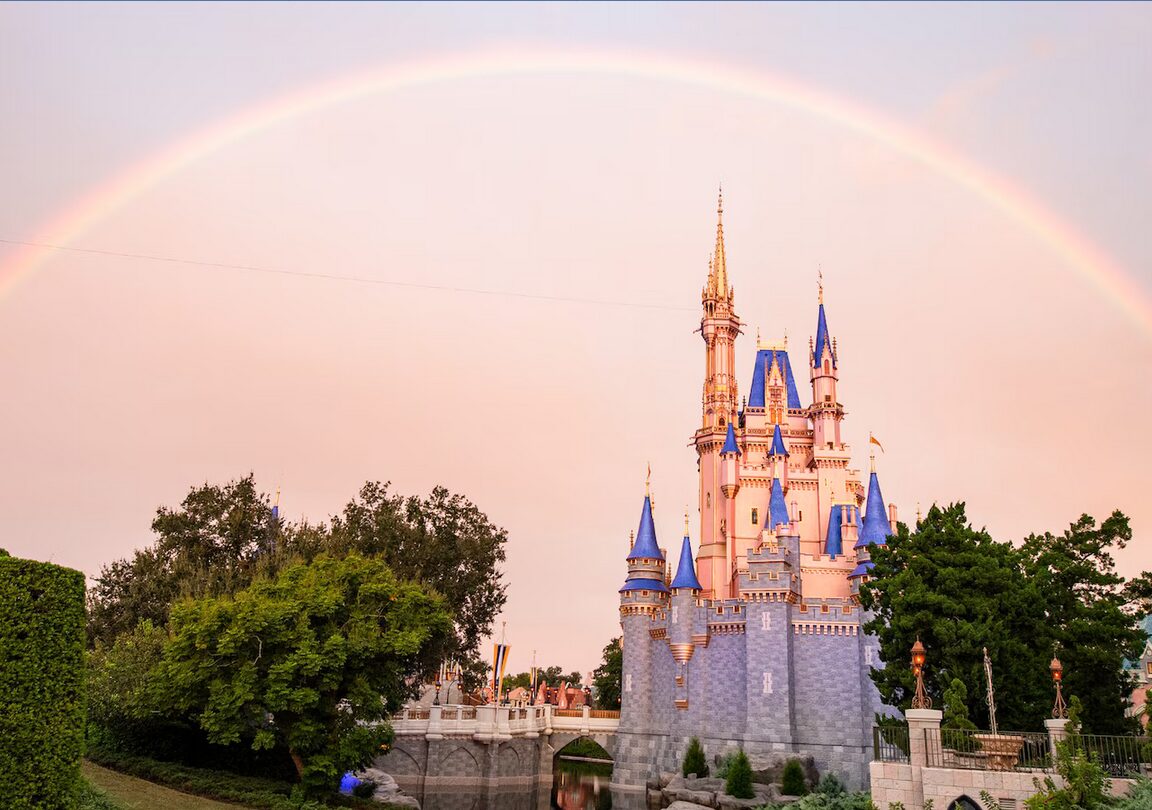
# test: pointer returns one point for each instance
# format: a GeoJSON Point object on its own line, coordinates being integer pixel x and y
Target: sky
{"type": "Point", "coordinates": [488, 277]}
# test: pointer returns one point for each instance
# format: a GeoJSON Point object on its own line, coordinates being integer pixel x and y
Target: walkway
{"type": "Point", "coordinates": [131, 793]}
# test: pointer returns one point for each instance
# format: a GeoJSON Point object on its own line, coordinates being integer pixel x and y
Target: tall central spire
{"type": "Point", "coordinates": [718, 265]}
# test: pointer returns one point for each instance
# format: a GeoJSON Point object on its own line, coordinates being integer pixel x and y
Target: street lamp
{"type": "Point", "coordinates": [1059, 710]}
{"type": "Point", "coordinates": [919, 656]}
{"type": "Point", "coordinates": [439, 678]}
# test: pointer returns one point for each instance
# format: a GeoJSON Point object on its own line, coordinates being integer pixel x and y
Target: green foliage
{"type": "Point", "coordinates": [42, 684]}
{"type": "Point", "coordinates": [364, 789]}
{"type": "Point", "coordinates": [739, 780]}
{"type": "Point", "coordinates": [584, 747]}
{"type": "Point", "coordinates": [960, 591]}
{"type": "Point", "coordinates": [724, 764]}
{"type": "Point", "coordinates": [822, 799]}
{"type": "Point", "coordinates": [120, 708]}
{"type": "Point", "coordinates": [955, 707]}
{"type": "Point", "coordinates": [1088, 616]}
{"type": "Point", "coordinates": [1086, 784]}
{"type": "Point", "coordinates": [89, 797]}
{"type": "Point", "coordinates": [792, 780]}
{"type": "Point", "coordinates": [313, 659]}
{"type": "Point", "coordinates": [1139, 797]}
{"type": "Point", "coordinates": [694, 762]}
{"type": "Point", "coordinates": [607, 677]}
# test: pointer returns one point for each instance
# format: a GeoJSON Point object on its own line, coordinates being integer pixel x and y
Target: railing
{"type": "Point", "coordinates": [605, 714]}
{"type": "Point", "coordinates": [890, 743]}
{"type": "Point", "coordinates": [1121, 757]}
{"type": "Point", "coordinates": [500, 722]}
{"type": "Point", "coordinates": [568, 712]}
{"type": "Point", "coordinates": [984, 751]}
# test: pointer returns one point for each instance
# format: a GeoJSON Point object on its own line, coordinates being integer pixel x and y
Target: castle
{"type": "Point", "coordinates": [757, 643]}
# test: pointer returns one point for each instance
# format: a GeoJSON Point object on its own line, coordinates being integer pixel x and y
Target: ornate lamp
{"type": "Point", "coordinates": [919, 655]}
{"type": "Point", "coordinates": [1059, 710]}
{"type": "Point", "coordinates": [439, 678]}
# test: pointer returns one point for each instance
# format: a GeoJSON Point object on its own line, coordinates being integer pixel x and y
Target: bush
{"type": "Point", "coordinates": [694, 762]}
{"type": "Point", "coordinates": [792, 781]}
{"type": "Point", "coordinates": [42, 681]}
{"type": "Point", "coordinates": [90, 797]}
{"type": "Point", "coordinates": [1138, 798]}
{"type": "Point", "coordinates": [739, 784]}
{"type": "Point", "coordinates": [724, 764]}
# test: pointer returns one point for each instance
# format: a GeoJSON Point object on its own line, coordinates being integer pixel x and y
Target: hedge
{"type": "Point", "coordinates": [42, 707]}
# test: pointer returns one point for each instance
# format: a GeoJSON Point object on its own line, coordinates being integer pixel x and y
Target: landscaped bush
{"type": "Point", "coordinates": [42, 683]}
{"type": "Point", "coordinates": [792, 781]}
{"type": "Point", "coordinates": [831, 794]}
{"type": "Point", "coordinates": [739, 784]}
{"type": "Point", "coordinates": [694, 762]}
{"type": "Point", "coordinates": [90, 797]}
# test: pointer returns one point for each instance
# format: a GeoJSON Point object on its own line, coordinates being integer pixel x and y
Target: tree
{"type": "Point", "coordinates": [792, 779]}
{"type": "Point", "coordinates": [215, 542]}
{"type": "Point", "coordinates": [313, 659]}
{"type": "Point", "coordinates": [694, 761]}
{"type": "Point", "coordinates": [120, 708]}
{"type": "Point", "coordinates": [1087, 616]}
{"type": "Point", "coordinates": [959, 591]}
{"type": "Point", "coordinates": [1085, 783]}
{"type": "Point", "coordinates": [444, 541]}
{"type": "Point", "coordinates": [739, 782]}
{"type": "Point", "coordinates": [607, 677]}
{"type": "Point", "coordinates": [956, 707]}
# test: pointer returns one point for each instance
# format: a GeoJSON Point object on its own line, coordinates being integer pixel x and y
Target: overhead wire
{"type": "Point", "coordinates": [348, 278]}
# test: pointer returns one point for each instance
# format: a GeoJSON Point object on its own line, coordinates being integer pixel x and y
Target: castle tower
{"type": "Point", "coordinates": [719, 327]}
{"type": "Point", "coordinates": [643, 594]}
{"type": "Point", "coordinates": [685, 590]}
{"type": "Point", "coordinates": [875, 530]}
{"type": "Point", "coordinates": [829, 455]}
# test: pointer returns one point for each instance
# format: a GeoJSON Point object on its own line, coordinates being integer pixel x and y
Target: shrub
{"type": "Point", "coordinates": [694, 762]}
{"type": "Point", "coordinates": [724, 764]}
{"type": "Point", "coordinates": [90, 797]}
{"type": "Point", "coordinates": [1138, 798]}
{"type": "Point", "coordinates": [739, 784]}
{"type": "Point", "coordinates": [792, 781]}
{"type": "Point", "coordinates": [42, 681]}
{"type": "Point", "coordinates": [956, 708]}
{"type": "Point", "coordinates": [365, 789]}
{"type": "Point", "coordinates": [831, 785]}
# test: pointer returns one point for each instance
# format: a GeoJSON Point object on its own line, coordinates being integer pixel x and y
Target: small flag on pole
{"type": "Point", "coordinates": [876, 442]}
{"type": "Point", "coordinates": [499, 662]}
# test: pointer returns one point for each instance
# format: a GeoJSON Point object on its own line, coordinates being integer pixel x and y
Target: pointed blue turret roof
{"type": "Point", "coordinates": [777, 509]}
{"type": "Point", "coordinates": [686, 571]}
{"type": "Point", "coordinates": [822, 339]}
{"type": "Point", "coordinates": [875, 530]}
{"type": "Point", "coordinates": [833, 542]}
{"type": "Point", "coordinates": [764, 358]}
{"type": "Point", "coordinates": [730, 445]}
{"type": "Point", "coordinates": [645, 546]}
{"type": "Point", "coordinates": [862, 570]}
{"type": "Point", "coordinates": [777, 448]}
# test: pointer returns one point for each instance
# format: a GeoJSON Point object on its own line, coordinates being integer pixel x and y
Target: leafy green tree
{"type": "Point", "coordinates": [792, 780]}
{"type": "Point", "coordinates": [120, 705]}
{"type": "Point", "coordinates": [313, 659]}
{"type": "Point", "coordinates": [958, 590]}
{"type": "Point", "coordinates": [694, 761]}
{"type": "Point", "coordinates": [739, 782]}
{"type": "Point", "coordinates": [607, 677]}
{"type": "Point", "coordinates": [1087, 616]}
{"type": "Point", "coordinates": [443, 541]}
{"type": "Point", "coordinates": [1085, 782]}
{"type": "Point", "coordinates": [956, 707]}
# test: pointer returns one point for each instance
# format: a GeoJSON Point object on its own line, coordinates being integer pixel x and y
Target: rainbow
{"type": "Point", "coordinates": [1016, 203]}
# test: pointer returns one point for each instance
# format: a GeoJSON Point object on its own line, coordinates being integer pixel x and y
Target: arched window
{"type": "Point", "coordinates": [707, 500]}
{"type": "Point", "coordinates": [825, 366]}
{"type": "Point", "coordinates": [964, 803]}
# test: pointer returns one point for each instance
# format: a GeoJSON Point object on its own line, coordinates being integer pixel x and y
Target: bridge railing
{"type": "Point", "coordinates": [501, 722]}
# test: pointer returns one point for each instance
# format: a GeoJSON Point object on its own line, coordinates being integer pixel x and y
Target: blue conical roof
{"type": "Point", "coordinates": [822, 339]}
{"type": "Point", "coordinates": [730, 445]}
{"type": "Point", "coordinates": [764, 360]}
{"type": "Point", "coordinates": [862, 570]}
{"type": "Point", "coordinates": [834, 543]}
{"type": "Point", "coordinates": [777, 509]}
{"type": "Point", "coordinates": [778, 448]}
{"type": "Point", "coordinates": [875, 530]}
{"type": "Point", "coordinates": [645, 546]}
{"type": "Point", "coordinates": [686, 571]}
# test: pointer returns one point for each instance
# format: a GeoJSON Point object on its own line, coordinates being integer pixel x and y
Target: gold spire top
{"type": "Point", "coordinates": [648, 481]}
{"type": "Point", "coordinates": [820, 284]}
{"type": "Point", "coordinates": [685, 521]}
{"type": "Point", "coordinates": [719, 265]}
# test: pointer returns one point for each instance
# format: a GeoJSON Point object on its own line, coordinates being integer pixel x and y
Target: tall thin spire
{"type": "Point", "coordinates": [718, 263]}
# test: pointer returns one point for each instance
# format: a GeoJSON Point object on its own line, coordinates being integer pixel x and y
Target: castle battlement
{"type": "Point", "coordinates": [757, 641]}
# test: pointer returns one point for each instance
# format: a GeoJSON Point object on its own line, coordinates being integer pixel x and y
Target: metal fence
{"type": "Point", "coordinates": [985, 751]}
{"type": "Point", "coordinates": [890, 743]}
{"type": "Point", "coordinates": [1119, 756]}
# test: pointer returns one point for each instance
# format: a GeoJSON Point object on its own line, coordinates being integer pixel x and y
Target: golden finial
{"type": "Point", "coordinates": [785, 340]}
{"type": "Point", "coordinates": [648, 481]}
{"type": "Point", "coordinates": [820, 283]}
{"type": "Point", "coordinates": [871, 452]}
{"type": "Point", "coordinates": [277, 496]}
{"type": "Point", "coordinates": [685, 520]}
{"type": "Point", "coordinates": [918, 515]}
{"type": "Point", "coordinates": [719, 264]}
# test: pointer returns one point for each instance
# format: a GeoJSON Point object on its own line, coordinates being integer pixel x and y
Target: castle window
{"type": "Point", "coordinates": [720, 611]}
{"type": "Point", "coordinates": [803, 608]}
{"type": "Point", "coordinates": [755, 516]}
{"type": "Point", "coordinates": [827, 397]}
{"type": "Point", "coordinates": [707, 500]}
{"type": "Point", "coordinates": [825, 366]}
{"type": "Point", "coordinates": [1148, 667]}
{"type": "Point", "coordinates": [823, 608]}
{"type": "Point", "coordinates": [643, 593]}
{"type": "Point", "coordinates": [735, 608]}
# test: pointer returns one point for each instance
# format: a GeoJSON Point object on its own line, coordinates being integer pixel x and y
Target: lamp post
{"type": "Point", "coordinates": [919, 656]}
{"type": "Point", "coordinates": [439, 677]}
{"type": "Point", "coordinates": [1059, 710]}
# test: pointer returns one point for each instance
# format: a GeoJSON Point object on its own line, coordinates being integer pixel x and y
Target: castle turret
{"type": "Point", "coordinates": [685, 589]}
{"type": "Point", "coordinates": [826, 412]}
{"type": "Point", "coordinates": [778, 455]}
{"type": "Point", "coordinates": [643, 593]}
{"type": "Point", "coordinates": [719, 327]}
{"type": "Point", "coordinates": [874, 531]}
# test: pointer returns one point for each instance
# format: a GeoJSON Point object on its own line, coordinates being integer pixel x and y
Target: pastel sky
{"type": "Point", "coordinates": [995, 367]}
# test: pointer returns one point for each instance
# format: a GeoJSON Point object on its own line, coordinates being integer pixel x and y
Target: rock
{"type": "Point", "coordinates": [764, 776]}
{"type": "Point", "coordinates": [677, 781]}
{"type": "Point", "coordinates": [387, 791]}
{"type": "Point", "coordinates": [688, 806]}
{"type": "Point", "coordinates": [702, 797]}
{"type": "Point", "coordinates": [712, 783]}
{"type": "Point", "coordinates": [666, 778]}
{"type": "Point", "coordinates": [732, 803]}
{"type": "Point", "coordinates": [784, 799]}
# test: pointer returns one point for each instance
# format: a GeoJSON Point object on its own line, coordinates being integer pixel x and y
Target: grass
{"type": "Point", "coordinates": [109, 790]}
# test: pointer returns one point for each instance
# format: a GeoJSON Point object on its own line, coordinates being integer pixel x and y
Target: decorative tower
{"type": "Point", "coordinates": [643, 593]}
{"type": "Point", "coordinates": [719, 327]}
{"type": "Point", "coordinates": [829, 455]}
{"type": "Point", "coordinates": [685, 589]}
{"type": "Point", "coordinates": [875, 530]}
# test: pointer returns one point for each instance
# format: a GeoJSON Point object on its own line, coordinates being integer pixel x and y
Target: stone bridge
{"type": "Point", "coordinates": [479, 751]}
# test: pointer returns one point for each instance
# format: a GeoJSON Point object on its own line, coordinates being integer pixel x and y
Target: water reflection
{"type": "Point", "coordinates": [581, 785]}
